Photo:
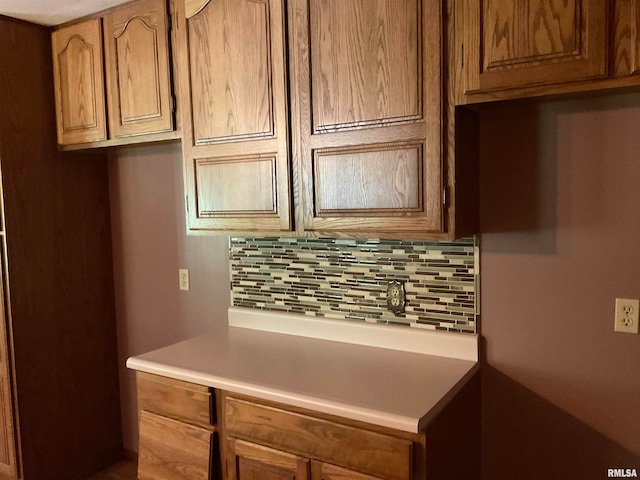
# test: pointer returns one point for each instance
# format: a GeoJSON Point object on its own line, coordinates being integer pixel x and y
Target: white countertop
{"type": "Point", "coordinates": [392, 388]}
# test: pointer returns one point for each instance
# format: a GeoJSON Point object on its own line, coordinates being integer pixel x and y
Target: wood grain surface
{"type": "Point", "coordinates": [173, 450]}
{"type": "Point", "coordinates": [510, 44]}
{"type": "Point", "coordinates": [79, 83]}
{"type": "Point", "coordinates": [365, 62]}
{"type": "Point", "coordinates": [367, 77]}
{"type": "Point", "coordinates": [230, 56]}
{"type": "Point", "coordinates": [606, 32]}
{"type": "Point", "coordinates": [255, 462]}
{"type": "Point", "coordinates": [326, 471]}
{"type": "Point", "coordinates": [137, 69]}
{"type": "Point", "coordinates": [626, 38]}
{"type": "Point", "coordinates": [176, 399]}
{"type": "Point", "coordinates": [519, 31]}
{"type": "Point", "coordinates": [241, 186]}
{"type": "Point", "coordinates": [358, 181]}
{"type": "Point", "coordinates": [357, 449]}
{"type": "Point", "coordinates": [61, 325]}
{"type": "Point", "coordinates": [231, 65]}
{"type": "Point", "coordinates": [8, 453]}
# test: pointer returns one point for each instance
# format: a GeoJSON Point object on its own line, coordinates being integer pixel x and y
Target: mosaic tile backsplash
{"type": "Point", "coordinates": [347, 279]}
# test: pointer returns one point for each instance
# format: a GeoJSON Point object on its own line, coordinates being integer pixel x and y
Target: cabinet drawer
{"type": "Point", "coordinates": [354, 448]}
{"type": "Point", "coordinates": [176, 399]}
{"type": "Point", "coordinates": [172, 450]}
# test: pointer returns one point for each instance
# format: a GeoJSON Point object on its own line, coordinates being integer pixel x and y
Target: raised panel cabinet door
{"type": "Point", "coordinates": [326, 471]}
{"type": "Point", "coordinates": [367, 117]}
{"type": "Point", "coordinates": [79, 83]}
{"type": "Point", "coordinates": [173, 450]}
{"type": "Point", "coordinates": [232, 68]}
{"type": "Point", "coordinates": [519, 43]}
{"type": "Point", "coordinates": [137, 67]}
{"type": "Point", "coordinates": [249, 461]}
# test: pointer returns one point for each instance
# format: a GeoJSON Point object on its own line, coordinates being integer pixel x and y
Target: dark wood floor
{"type": "Point", "coordinates": [125, 470]}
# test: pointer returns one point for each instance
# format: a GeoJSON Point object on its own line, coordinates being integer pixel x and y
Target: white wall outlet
{"type": "Point", "coordinates": [626, 315]}
{"type": "Point", "coordinates": [183, 275]}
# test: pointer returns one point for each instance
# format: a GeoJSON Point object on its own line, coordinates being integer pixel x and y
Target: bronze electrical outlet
{"type": "Point", "coordinates": [396, 297]}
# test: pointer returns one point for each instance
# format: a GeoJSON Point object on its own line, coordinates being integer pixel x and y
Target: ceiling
{"type": "Point", "coordinates": [53, 12]}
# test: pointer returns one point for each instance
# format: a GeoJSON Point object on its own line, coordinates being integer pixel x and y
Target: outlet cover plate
{"type": "Point", "coordinates": [396, 297]}
{"type": "Point", "coordinates": [626, 319]}
{"type": "Point", "coordinates": [183, 278]}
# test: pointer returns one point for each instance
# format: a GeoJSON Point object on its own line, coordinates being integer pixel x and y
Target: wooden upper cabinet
{"type": "Point", "coordinates": [137, 67]}
{"type": "Point", "coordinates": [79, 83]}
{"type": "Point", "coordinates": [232, 89]}
{"type": "Point", "coordinates": [519, 43]}
{"type": "Point", "coordinates": [132, 42]}
{"type": "Point", "coordinates": [626, 31]}
{"type": "Point", "coordinates": [367, 129]}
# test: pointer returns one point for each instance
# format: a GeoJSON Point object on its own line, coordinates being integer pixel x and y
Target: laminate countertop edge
{"type": "Point", "coordinates": [400, 390]}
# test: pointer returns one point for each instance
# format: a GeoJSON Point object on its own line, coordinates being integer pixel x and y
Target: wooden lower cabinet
{"type": "Point", "coordinates": [326, 471]}
{"type": "Point", "coordinates": [352, 445]}
{"type": "Point", "coordinates": [170, 449]}
{"type": "Point", "coordinates": [178, 437]}
{"type": "Point", "coordinates": [262, 440]}
{"type": "Point", "coordinates": [249, 461]}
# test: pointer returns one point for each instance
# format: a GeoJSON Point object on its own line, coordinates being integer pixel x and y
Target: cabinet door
{"type": "Point", "coordinates": [79, 83]}
{"type": "Point", "coordinates": [173, 450]}
{"type": "Point", "coordinates": [517, 43]}
{"type": "Point", "coordinates": [248, 461]}
{"type": "Point", "coordinates": [137, 67]}
{"type": "Point", "coordinates": [232, 89]}
{"type": "Point", "coordinates": [366, 103]}
{"type": "Point", "coordinates": [626, 31]}
{"type": "Point", "coordinates": [326, 471]}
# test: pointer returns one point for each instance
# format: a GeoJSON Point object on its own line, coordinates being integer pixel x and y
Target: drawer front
{"type": "Point", "coordinates": [176, 399]}
{"type": "Point", "coordinates": [172, 450]}
{"type": "Point", "coordinates": [361, 450]}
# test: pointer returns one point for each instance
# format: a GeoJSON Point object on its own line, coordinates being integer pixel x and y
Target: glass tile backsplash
{"type": "Point", "coordinates": [347, 279]}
